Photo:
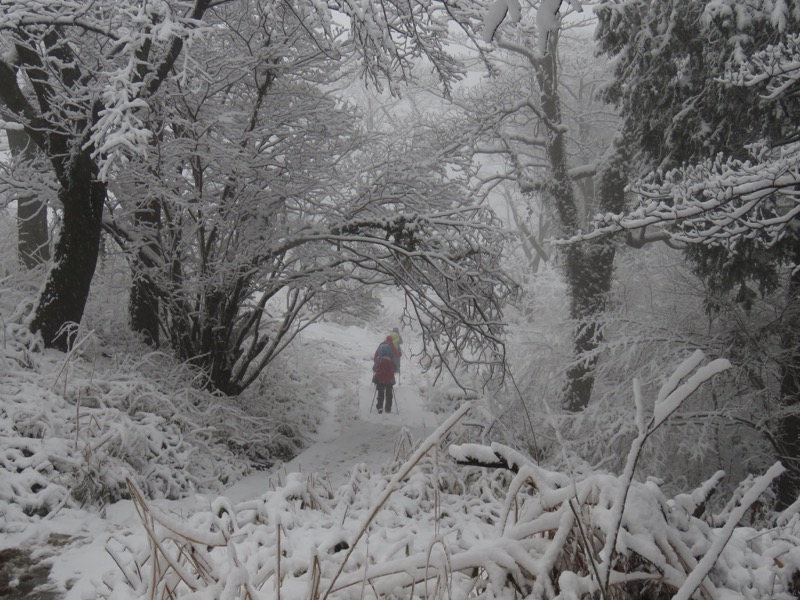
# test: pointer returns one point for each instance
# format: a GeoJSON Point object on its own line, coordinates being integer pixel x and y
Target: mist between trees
{"type": "Point", "coordinates": [600, 189]}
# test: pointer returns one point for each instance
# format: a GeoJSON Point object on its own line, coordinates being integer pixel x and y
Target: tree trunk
{"type": "Point", "coordinates": [144, 303]}
{"type": "Point", "coordinates": [588, 268]}
{"type": "Point", "coordinates": [590, 271]}
{"type": "Point", "coordinates": [788, 435]}
{"type": "Point", "coordinates": [33, 237]}
{"type": "Point", "coordinates": [63, 299]}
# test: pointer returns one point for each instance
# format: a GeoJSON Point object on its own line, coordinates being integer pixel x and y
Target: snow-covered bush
{"type": "Point", "coordinates": [73, 432]}
{"type": "Point", "coordinates": [75, 426]}
{"type": "Point", "coordinates": [477, 521]}
{"type": "Point", "coordinates": [662, 309]}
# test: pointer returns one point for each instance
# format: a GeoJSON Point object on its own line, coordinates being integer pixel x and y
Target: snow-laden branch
{"type": "Point", "coordinates": [19, 15]}
{"type": "Point", "coordinates": [724, 201]}
{"type": "Point", "coordinates": [496, 13]}
{"type": "Point", "coordinates": [701, 571]}
{"type": "Point", "coordinates": [670, 397]}
{"type": "Point", "coordinates": [718, 201]}
{"type": "Point", "coordinates": [777, 68]}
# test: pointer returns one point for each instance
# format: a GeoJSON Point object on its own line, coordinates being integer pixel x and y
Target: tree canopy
{"type": "Point", "coordinates": [210, 142]}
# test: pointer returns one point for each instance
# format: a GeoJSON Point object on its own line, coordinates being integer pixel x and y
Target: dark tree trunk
{"type": "Point", "coordinates": [219, 352]}
{"type": "Point", "coordinates": [33, 236]}
{"type": "Point", "coordinates": [63, 299]}
{"type": "Point", "coordinates": [144, 300]}
{"type": "Point", "coordinates": [588, 268]}
{"type": "Point", "coordinates": [788, 435]}
{"type": "Point", "coordinates": [589, 271]}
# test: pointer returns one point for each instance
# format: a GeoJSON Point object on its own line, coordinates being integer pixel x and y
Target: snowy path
{"type": "Point", "coordinates": [352, 432]}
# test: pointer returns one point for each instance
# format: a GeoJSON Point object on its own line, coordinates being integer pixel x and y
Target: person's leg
{"type": "Point", "coordinates": [381, 389]}
{"type": "Point", "coordinates": [388, 404]}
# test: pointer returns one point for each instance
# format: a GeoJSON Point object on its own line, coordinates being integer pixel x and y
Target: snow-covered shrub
{"type": "Point", "coordinates": [444, 399]}
{"type": "Point", "coordinates": [477, 521]}
{"type": "Point", "coordinates": [73, 432]}
{"type": "Point", "coordinates": [76, 426]}
{"type": "Point", "coordinates": [660, 310]}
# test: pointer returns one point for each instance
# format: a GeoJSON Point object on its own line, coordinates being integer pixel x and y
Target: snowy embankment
{"type": "Point", "coordinates": [380, 506]}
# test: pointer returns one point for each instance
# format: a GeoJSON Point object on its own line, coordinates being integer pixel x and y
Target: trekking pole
{"type": "Point", "coordinates": [375, 395]}
{"type": "Point", "coordinates": [396, 403]}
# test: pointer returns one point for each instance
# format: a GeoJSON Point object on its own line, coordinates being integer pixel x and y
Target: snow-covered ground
{"type": "Point", "coordinates": [72, 542]}
{"type": "Point", "coordinates": [352, 432]}
{"type": "Point", "coordinates": [376, 506]}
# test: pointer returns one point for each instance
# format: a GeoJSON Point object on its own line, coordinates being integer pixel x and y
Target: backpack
{"type": "Point", "coordinates": [384, 370]}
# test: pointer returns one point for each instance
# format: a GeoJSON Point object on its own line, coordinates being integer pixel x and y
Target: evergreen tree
{"type": "Point", "coordinates": [691, 94]}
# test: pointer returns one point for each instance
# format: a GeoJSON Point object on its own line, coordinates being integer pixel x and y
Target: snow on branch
{"type": "Point", "coordinates": [479, 456]}
{"type": "Point", "coordinates": [120, 129]}
{"type": "Point", "coordinates": [671, 395]}
{"type": "Point", "coordinates": [720, 201]}
{"type": "Point", "coordinates": [390, 37]}
{"type": "Point", "coordinates": [776, 67]}
{"type": "Point", "coordinates": [701, 571]}
{"type": "Point", "coordinates": [496, 14]}
{"type": "Point", "coordinates": [548, 19]}
{"type": "Point", "coordinates": [11, 126]}
{"type": "Point", "coordinates": [724, 201]}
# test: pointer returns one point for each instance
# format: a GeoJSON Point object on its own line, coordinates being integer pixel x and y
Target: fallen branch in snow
{"type": "Point", "coordinates": [476, 455]}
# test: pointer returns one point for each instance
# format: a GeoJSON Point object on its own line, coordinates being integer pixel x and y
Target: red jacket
{"type": "Point", "coordinates": [385, 363]}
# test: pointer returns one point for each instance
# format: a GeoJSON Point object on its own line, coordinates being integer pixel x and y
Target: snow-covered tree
{"type": "Point", "coordinates": [75, 76]}
{"type": "Point", "coordinates": [82, 81]}
{"type": "Point", "coordinates": [712, 86]}
{"type": "Point", "coordinates": [686, 100]}
{"type": "Point", "coordinates": [262, 204]}
{"type": "Point", "coordinates": [540, 126]}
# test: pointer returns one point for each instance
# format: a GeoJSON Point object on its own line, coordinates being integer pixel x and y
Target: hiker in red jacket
{"type": "Point", "coordinates": [384, 364]}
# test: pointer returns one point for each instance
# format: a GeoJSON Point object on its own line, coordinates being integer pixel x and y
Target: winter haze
{"type": "Point", "coordinates": [562, 236]}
